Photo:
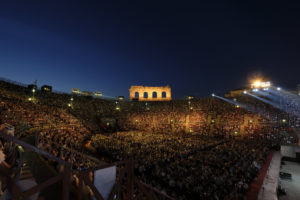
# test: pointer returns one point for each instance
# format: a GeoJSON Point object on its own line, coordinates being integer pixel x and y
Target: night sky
{"type": "Point", "coordinates": [196, 48]}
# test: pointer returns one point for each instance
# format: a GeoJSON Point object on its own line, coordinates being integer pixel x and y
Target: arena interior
{"type": "Point", "coordinates": [217, 147]}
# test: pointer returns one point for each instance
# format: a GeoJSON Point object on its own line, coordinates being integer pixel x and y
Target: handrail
{"type": "Point", "coordinates": [31, 148]}
{"type": "Point", "coordinates": [130, 181]}
{"type": "Point", "coordinates": [64, 177]}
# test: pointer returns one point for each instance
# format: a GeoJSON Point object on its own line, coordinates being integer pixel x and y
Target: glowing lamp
{"type": "Point", "coordinates": [213, 94]}
{"type": "Point", "coordinates": [245, 92]}
{"type": "Point", "coordinates": [278, 88]}
{"type": "Point", "coordinates": [257, 84]}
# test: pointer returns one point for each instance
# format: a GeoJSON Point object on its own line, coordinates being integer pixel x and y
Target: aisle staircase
{"type": "Point", "coordinates": [26, 172]}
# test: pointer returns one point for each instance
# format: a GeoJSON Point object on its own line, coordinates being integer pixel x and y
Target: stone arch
{"type": "Point", "coordinates": [154, 94]}
{"type": "Point", "coordinates": [145, 95]}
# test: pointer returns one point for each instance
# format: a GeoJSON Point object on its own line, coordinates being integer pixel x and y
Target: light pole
{"type": "Point", "coordinates": [33, 91]}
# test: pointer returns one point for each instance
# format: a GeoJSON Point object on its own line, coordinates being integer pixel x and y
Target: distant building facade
{"type": "Point", "coordinates": [147, 93]}
{"type": "Point", "coordinates": [87, 93]}
{"type": "Point", "coordinates": [46, 88]}
{"type": "Point", "coordinates": [76, 91]}
{"type": "Point", "coordinates": [98, 94]}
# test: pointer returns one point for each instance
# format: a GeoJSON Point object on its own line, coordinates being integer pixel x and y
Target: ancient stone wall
{"type": "Point", "coordinates": [145, 93]}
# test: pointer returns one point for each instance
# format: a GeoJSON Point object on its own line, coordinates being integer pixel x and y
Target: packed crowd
{"type": "Point", "coordinates": [184, 148]}
{"type": "Point", "coordinates": [57, 131]}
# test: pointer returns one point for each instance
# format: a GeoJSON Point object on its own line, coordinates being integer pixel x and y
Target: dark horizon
{"type": "Point", "coordinates": [196, 48]}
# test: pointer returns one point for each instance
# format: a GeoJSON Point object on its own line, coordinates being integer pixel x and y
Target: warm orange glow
{"type": "Point", "coordinates": [260, 84]}
{"type": "Point", "coordinates": [257, 84]}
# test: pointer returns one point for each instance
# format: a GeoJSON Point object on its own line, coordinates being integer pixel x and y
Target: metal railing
{"type": "Point", "coordinates": [16, 191]}
{"type": "Point", "coordinates": [127, 185]}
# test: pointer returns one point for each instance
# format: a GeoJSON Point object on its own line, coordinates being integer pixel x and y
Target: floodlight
{"type": "Point", "coordinates": [213, 94]}
{"type": "Point", "coordinates": [278, 88]}
{"type": "Point", "coordinates": [245, 92]}
{"type": "Point", "coordinates": [257, 84]}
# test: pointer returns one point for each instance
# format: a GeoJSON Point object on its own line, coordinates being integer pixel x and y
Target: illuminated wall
{"type": "Point", "coordinates": [145, 93]}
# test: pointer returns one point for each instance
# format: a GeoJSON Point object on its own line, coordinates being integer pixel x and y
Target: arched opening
{"type": "Point", "coordinates": [136, 95]}
{"type": "Point", "coordinates": [154, 95]}
{"type": "Point", "coordinates": [164, 95]}
{"type": "Point", "coordinates": [145, 95]}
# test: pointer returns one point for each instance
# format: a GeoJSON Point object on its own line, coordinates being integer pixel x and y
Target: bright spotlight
{"type": "Point", "coordinates": [278, 88]}
{"type": "Point", "coordinates": [257, 84]}
{"type": "Point", "coordinates": [245, 92]}
{"type": "Point", "coordinates": [213, 94]}
{"type": "Point", "coordinates": [255, 90]}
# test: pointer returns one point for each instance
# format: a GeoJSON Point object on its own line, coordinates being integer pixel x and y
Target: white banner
{"type": "Point", "coordinates": [104, 180]}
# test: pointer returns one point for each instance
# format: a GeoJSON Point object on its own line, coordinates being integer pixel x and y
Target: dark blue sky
{"type": "Point", "coordinates": [196, 48]}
